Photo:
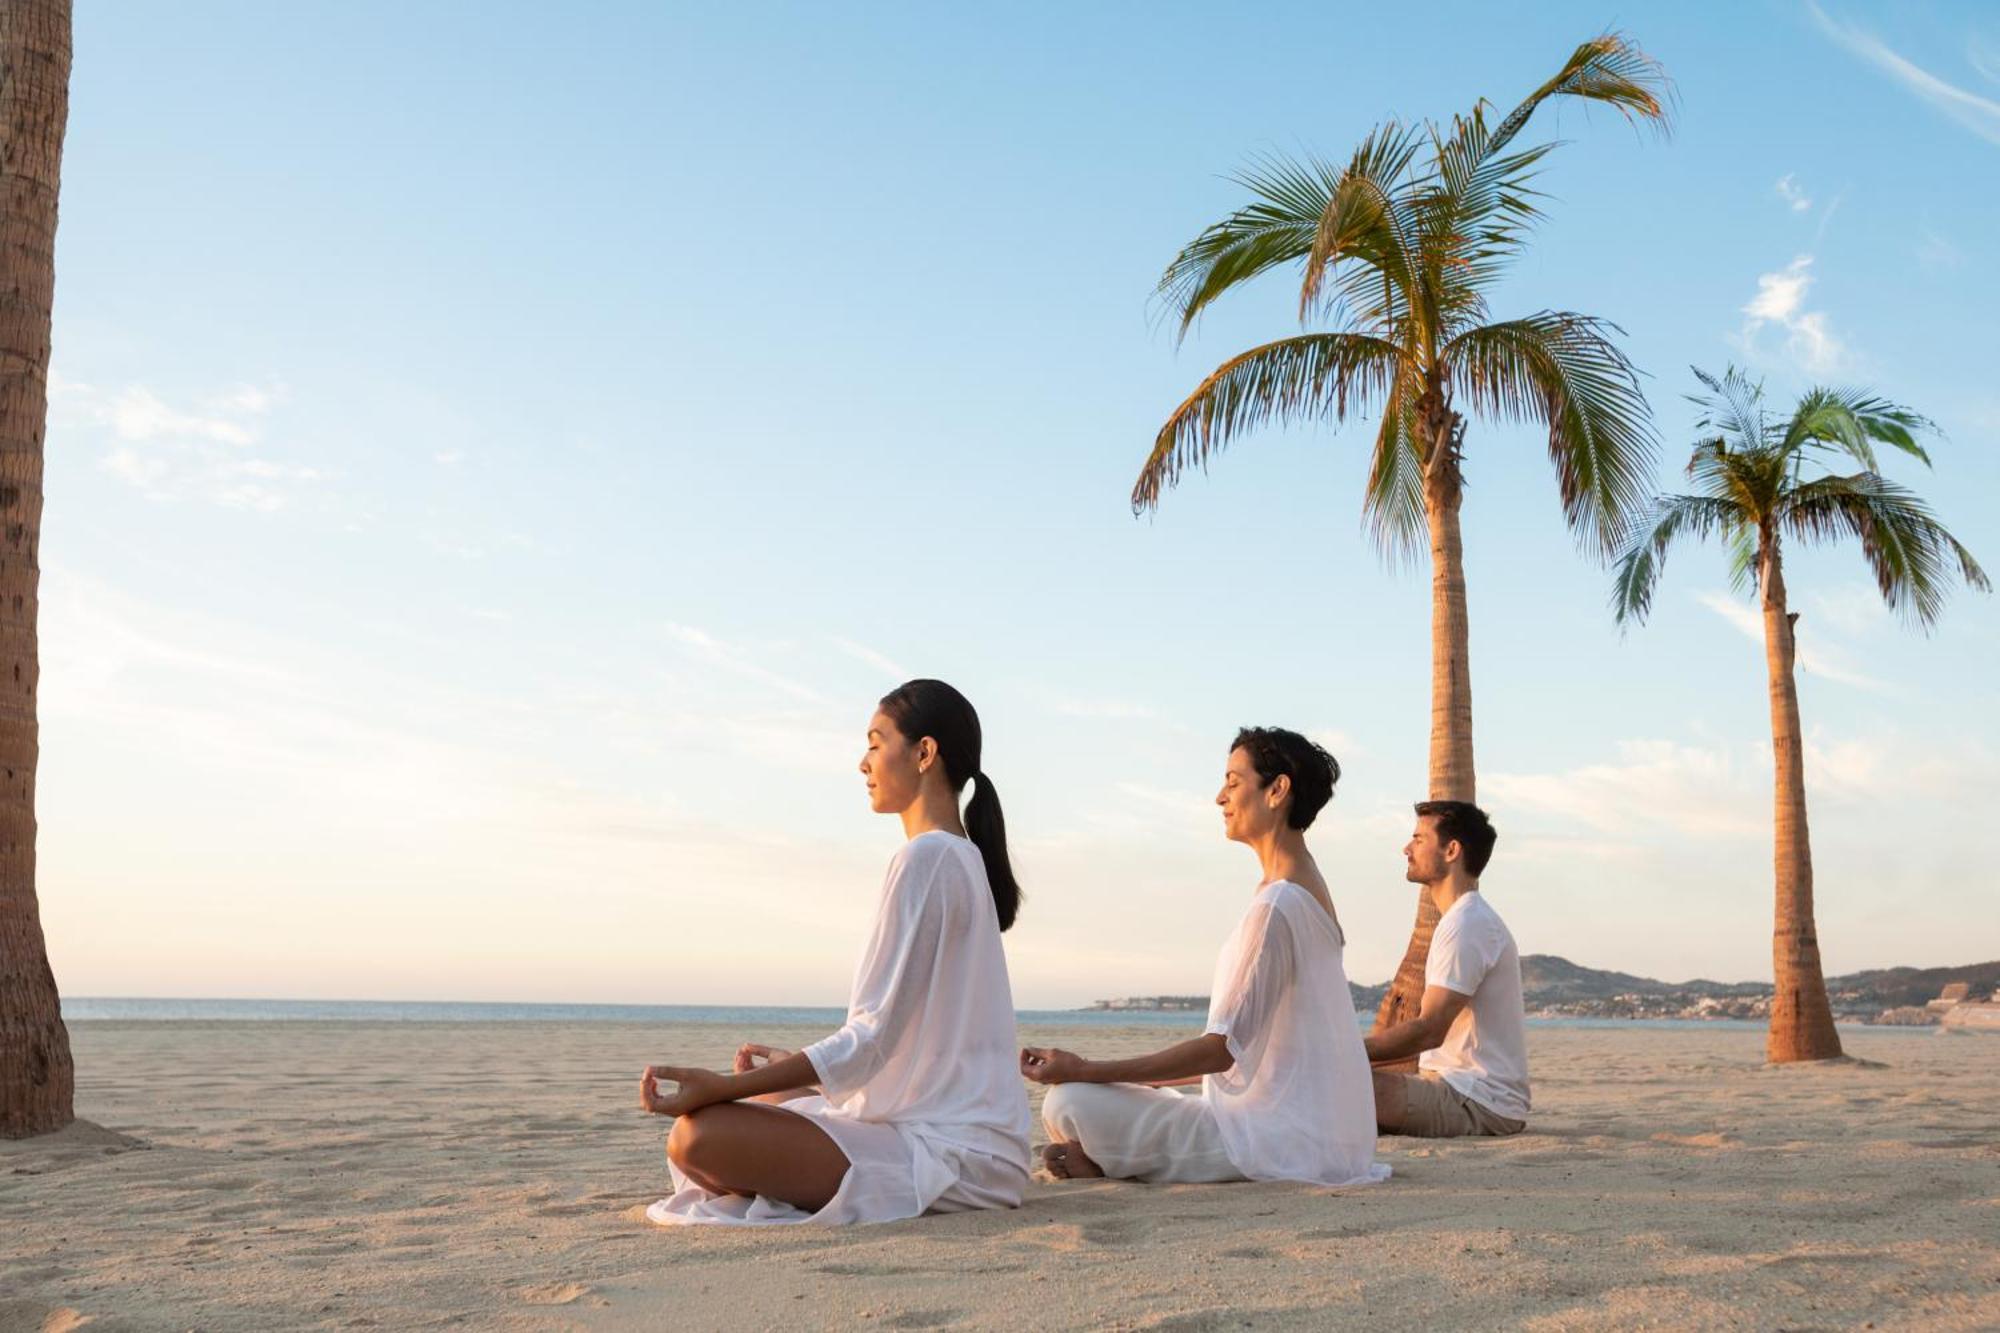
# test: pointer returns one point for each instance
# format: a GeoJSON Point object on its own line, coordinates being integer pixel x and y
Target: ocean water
{"type": "Point", "coordinates": [95, 1008]}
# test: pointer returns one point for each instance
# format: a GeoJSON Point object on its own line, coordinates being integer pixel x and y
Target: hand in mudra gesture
{"type": "Point", "coordinates": [1050, 1064]}
{"type": "Point", "coordinates": [751, 1056]}
{"type": "Point", "coordinates": [694, 1089]}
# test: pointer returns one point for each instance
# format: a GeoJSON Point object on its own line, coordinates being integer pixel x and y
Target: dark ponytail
{"type": "Point", "coordinates": [921, 708]}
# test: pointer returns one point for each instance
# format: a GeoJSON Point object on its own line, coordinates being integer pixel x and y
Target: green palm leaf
{"type": "Point", "coordinates": [1562, 371]}
{"type": "Point", "coordinates": [1907, 549]}
{"type": "Point", "coordinates": [1672, 517]}
{"type": "Point", "coordinates": [1393, 502]}
{"type": "Point", "coordinates": [1853, 423]}
{"type": "Point", "coordinates": [1607, 69]}
{"type": "Point", "coordinates": [1366, 218]}
{"type": "Point", "coordinates": [1307, 377]}
{"type": "Point", "coordinates": [1278, 228]}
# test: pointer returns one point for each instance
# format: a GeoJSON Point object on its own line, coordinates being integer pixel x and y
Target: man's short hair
{"type": "Point", "coordinates": [1466, 824]}
{"type": "Point", "coordinates": [1274, 751]}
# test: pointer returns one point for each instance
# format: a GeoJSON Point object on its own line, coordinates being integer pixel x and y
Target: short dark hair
{"type": "Point", "coordinates": [1466, 824]}
{"type": "Point", "coordinates": [1274, 751]}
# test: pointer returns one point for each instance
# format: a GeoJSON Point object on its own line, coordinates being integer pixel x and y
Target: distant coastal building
{"type": "Point", "coordinates": [1955, 1009]}
{"type": "Point", "coordinates": [1957, 993]}
{"type": "Point", "coordinates": [1169, 1004]}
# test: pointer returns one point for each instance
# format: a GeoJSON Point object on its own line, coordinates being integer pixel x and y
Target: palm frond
{"type": "Point", "coordinates": [1743, 570]}
{"type": "Point", "coordinates": [1853, 422]}
{"type": "Point", "coordinates": [1365, 218]}
{"type": "Point", "coordinates": [1276, 229]}
{"type": "Point", "coordinates": [1312, 376]}
{"type": "Point", "coordinates": [1733, 407]}
{"type": "Point", "coordinates": [1672, 517]}
{"type": "Point", "coordinates": [1393, 502]}
{"type": "Point", "coordinates": [1563, 371]}
{"type": "Point", "coordinates": [1607, 69]}
{"type": "Point", "coordinates": [1477, 205]}
{"type": "Point", "coordinates": [1907, 549]}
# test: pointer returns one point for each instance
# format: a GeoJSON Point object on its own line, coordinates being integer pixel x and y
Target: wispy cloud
{"type": "Point", "coordinates": [1853, 608]}
{"type": "Point", "coordinates": [1979, 114]}
{"type": "Point", "coordinates": [1780, 300]}
{"type": "Point", "coordinates": [1789, 191]}
{"type": "Point", "coordinates": [1652, 788]}
{"type": "Point", "coordinates": [1935, 251]}
{"type": "Point", "coordinates": [863, 653]}
{"type": "Point", "coordinates": [1814, 658]}
{"type": "Point", "coordinates": [203, 451]}
{"type": "Point", "coordinates": [1651, 785]}
{"type": "Point", "coordinates": [739, 661]}
{"type": "Point", "coordinates": [1984, 56]}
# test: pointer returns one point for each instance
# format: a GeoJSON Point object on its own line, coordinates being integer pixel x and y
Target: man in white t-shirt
{"type": "Point", "coordinates": [1471, 1029]}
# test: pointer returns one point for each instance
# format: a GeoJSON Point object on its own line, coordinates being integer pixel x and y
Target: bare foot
{"type": "Point", "coordinates": [1066, 1161]}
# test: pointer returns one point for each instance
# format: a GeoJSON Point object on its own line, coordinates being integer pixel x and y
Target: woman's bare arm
{"type": "Point", "coordinates": [1183, 1062]}
{"type": "Point", "coordinates": [704, 1087]}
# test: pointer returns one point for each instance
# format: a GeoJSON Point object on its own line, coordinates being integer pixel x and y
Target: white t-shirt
{"type": "Point", "coordinates": [929, 1038]}
{"type": "Point", "coordinates": [1485, 1055]}
{"type": "Point", "coordinates": [1299, 1103]}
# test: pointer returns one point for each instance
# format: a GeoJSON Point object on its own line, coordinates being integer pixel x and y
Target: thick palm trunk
{"type": "Point", "coordinates": [1801, 1018]}
{"type": "Point", "coordinates": [36, 1078]}
{"type": "Point", "coordinates": [1451, 774]}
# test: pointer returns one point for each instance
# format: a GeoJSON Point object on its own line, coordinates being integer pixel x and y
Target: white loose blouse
{"type": "Point", "coordinates": [929, 1037]}
{"type": "Point", "coordinates": [921, 1087]}
{"type": "Point", "coordinates": [1299, 1103]}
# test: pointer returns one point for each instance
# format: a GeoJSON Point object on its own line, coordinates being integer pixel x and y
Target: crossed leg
{"type": "Point", "coordinates": [746, 1148]}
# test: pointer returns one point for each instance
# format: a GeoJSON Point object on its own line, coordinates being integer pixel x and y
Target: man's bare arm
{"type": "Point", "coordinates": [1425, 1032]}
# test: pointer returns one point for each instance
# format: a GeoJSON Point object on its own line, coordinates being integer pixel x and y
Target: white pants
{"type": "Point", "coordinates": [1157, 1135]}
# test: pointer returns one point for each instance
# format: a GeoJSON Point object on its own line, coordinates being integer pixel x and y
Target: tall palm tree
{"type": "Point", "coordinates": [1753, 491]}
{"type": "Point", "coordinates": [36, 1078]}
{"type": "Point", "coordinates": [1398, 250]}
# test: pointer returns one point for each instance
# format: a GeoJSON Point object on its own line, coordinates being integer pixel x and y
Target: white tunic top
{"type": "Point", "coordinates": [921, 1086]}
{"type": "Point", "coordinates": [1299, 1104]}
{"type": "Point", "coordinates": [1485, 1054]}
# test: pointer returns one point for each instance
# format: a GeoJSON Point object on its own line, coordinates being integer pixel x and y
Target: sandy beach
{"type": "Point", "coordinates": [399, 1175]}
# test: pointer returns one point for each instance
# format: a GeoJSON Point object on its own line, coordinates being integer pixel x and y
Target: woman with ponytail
{"type": "Point", "coordinates": [914, 1105]}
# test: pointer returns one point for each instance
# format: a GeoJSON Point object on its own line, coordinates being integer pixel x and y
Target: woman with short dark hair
{"type": "Point", "coordinates": [913, 1105]}
{"type": "Point", "coordinates": [1285, 1093]}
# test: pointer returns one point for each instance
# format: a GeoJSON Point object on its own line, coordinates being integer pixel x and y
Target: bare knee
{"type": "Point", "coordinates": [688, 1142]}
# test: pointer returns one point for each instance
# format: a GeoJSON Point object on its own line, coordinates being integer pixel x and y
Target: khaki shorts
{"type": "Point", "coordinates": [1433, 1109]}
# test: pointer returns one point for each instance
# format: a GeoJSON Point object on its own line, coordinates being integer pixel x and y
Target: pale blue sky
{"type": "Point", "coordinates": [497, 461]}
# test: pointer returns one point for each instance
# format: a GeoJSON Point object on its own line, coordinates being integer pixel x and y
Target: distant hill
{"type": "Point", "coordinates": [1549, 982]}
{"type": "Point", "coordinates": [1547, 979]}
{"type": "Point", "coordinates": [1916, 985]}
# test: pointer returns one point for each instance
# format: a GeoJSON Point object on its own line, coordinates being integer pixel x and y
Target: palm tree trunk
{"type": "Point", "coordinates": [37, 1081]}
{"type": "Point", "coordinates": [1801, 1018]}
{"type": "Point", "coordinates": [1451, 772]}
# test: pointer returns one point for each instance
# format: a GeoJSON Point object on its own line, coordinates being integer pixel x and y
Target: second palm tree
{"type": "Point", "coordinates": [1399, 248]}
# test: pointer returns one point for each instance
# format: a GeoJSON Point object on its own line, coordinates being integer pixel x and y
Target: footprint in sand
{"type": "Point", "coordinates": [554, 1293]}
{"type": "Point", "coordinates": [923, 1319]}
{"type": "Point", "coordinates": [1070, 1237]}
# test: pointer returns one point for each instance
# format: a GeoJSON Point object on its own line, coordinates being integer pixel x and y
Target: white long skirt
{"type": "Point", "coordinates": [894, 1171]}
{"type": "Point", "coordinates": [1134, 1132]}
